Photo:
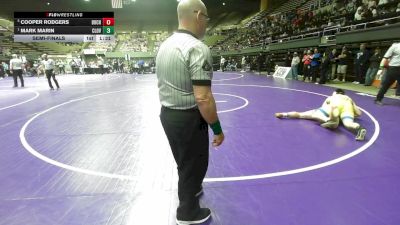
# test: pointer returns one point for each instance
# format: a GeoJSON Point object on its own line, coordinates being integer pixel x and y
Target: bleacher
{"type": "Point", "coordinates": [291, 5]}
{"type": "Point", "coordinates": [299, 19]}
{"type": "Point", "coordinates": [109, 47]}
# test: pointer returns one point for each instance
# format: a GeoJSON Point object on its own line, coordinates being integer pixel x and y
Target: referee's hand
{"type": "Point", "coordinates": [218, 139]}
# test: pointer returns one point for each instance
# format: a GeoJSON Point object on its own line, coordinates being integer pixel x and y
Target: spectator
{"type": "Point", "coordinates": [367, 14]}
{"type": "Point", "coordinates": [361, 64]}
{"type": "Point", "coordinates": [315, 63]}
{"type": "Point", "coordinates": [342, 65]}
{"type": "Point", "coordinates": [374, 11]}
{"type": "Point", "coordinates": [61, 67]}
{"type": "Point", "coordinates": [350, 7]}
{"type": "Point", "coordinates": [301, 64]}
{"type": "Point", "coordinates": [383, 2]}
{"type": "Point", "coordinates": [295, 64]}
{"type": "Point", "coordinates": [333, 58]}
{"type": "Point", "coordinates": [288, 60]}
{"type": "Point", "coordinates": [269, 63]}
{"type": "Point", "coordinates": [243, 63]}
{"type": "Point", "coordinates": [2, 72]}
{"type": "Point", "coordinates": [324, 67]}
{"type": "Point", "coordinates": [100, 63]}
{"type": "Point", "coordinates": [359, 14]}
{"type": "Point", "coordinates": [374, 61]}
{"type": "Point", "coordinates": [260, 61]}
{"type": "Point", "coordinates": [307, 65]}
{"type": "Point", "coordinates": [371, 3]}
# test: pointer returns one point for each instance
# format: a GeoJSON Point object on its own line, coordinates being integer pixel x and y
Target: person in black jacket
{"type": "Point", "coordinates": [374, 61]}
{"type": "Point", "coordinates": [324, 68]}
{"type": "Point", "coordinates": [260, 61]}
{"type": "Point", "coordinates": [2, 71]}
{"type": "Point", "coordinates": [269, 63]}
{"type": "Point", "coordinates": [361, 64]}
{"type": "Point", "coordinates": [288, 59]}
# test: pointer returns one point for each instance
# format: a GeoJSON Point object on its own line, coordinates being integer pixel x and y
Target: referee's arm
{"type": "Point", "coordinates": [201, 75]}
{"type": "Point", "coordinates": [206, 103]}
{"type": "Point", "coordinates": [208, 109]}
{"type": "Point", "coordinates": [386, 57]}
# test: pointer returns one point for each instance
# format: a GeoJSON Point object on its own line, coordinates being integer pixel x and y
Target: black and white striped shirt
{"type": "Point", "coordinates": [182, 61]}
{"type": "Point", "coordinates": [393, 53]}
{"type": "Point", "coordinates": [16, 64]}
{"type": "Point", "coordinates": [48, 64]}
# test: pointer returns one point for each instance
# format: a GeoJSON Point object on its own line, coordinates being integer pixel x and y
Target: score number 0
{"type": "Point", "coordinates": [108, 21]}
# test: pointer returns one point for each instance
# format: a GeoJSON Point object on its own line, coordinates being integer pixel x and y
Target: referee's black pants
{"type": "Point", "coordinates": [16, 74]}
{"type": "Point", "coordinates": [187, 134]}
{"type": "Point", "coordinates": [50, 74]}
{"type": "Point", "coordinates": [392, 74]}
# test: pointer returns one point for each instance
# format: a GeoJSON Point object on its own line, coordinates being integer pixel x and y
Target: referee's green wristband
{"type": "Point", "coordinates": [216, 128]}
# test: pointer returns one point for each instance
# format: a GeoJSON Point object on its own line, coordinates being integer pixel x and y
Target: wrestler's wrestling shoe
{"type": "Point", "coordinates": [279, 115]}
{"type": "Point", "coordinates": [361, 132]}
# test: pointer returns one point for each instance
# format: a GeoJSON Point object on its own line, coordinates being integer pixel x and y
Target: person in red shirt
{"type": "Point", "coordinates": [307, 65]}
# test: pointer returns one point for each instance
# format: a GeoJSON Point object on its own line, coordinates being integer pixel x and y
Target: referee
{"type": "Point", "coordinates": [393, 71]}
{"type": "Point", "coordinates": [49, 68]}
{"type": "Point", "coordinates": [184, 72]}
{"type": "Point", "coordinates": [16, 70]}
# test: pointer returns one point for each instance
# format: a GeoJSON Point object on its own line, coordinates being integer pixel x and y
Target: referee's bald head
{"type": "Point", "coordinates": [193, 16]}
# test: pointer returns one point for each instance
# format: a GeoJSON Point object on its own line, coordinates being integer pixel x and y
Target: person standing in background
{"type": "Point", "coordinates": [269, 63]}
{"type": "Point", "coordinates": [361, 64]}
{"type": "Point", "coordinates": [49, 70]}
{"type": "Point", "coordinates": [243, 64]}
{"type": "Point", "coordinates": [260, 62]}
{"type": "Point", "coordinates": [60, 65]}
{"type": "Point", "coordinates": [315, 64]}
{"type": "Point", "coordinates": [342, 65]}
{"type": "Point", "coordinates": [374, 61]}
{"type": "Point", "coordinates": [307, 65]}
{"type": "Point", "coordinates": [295, 65]}
{"type": "Point", "coordinates": [333, 58]}
{"type": "Point", "coordinates": [324, 68]}
{"type": "Point", "coordinates": [222, 64]}
{"type": "Point", "coordinates": [16, 70]}
{"type": "Point", "coordinates": [100, 63]}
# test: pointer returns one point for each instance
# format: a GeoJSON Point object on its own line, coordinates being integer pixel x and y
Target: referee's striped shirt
{"type": "Point", "coordinates": [182, 61]}
{"type": "Point", "coordinates": [16, 64]}
{"type": "Point", "coordinates": [393, 53]}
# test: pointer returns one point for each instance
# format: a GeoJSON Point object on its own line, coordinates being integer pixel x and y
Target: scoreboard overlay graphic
{"type": "Point", "coordinates": [64, 27]}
